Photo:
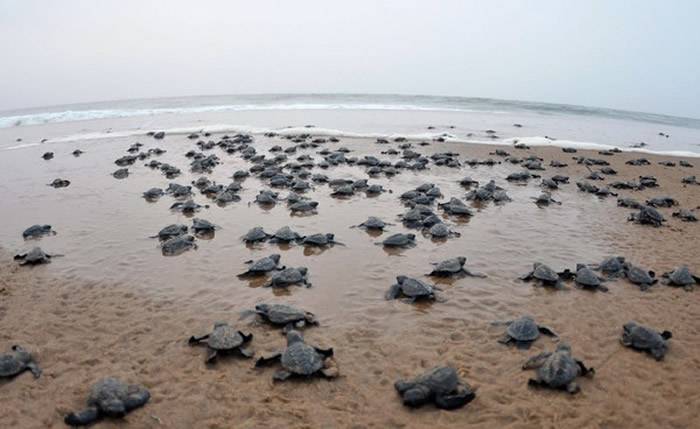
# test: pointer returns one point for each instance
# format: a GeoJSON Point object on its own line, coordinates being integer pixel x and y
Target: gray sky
{"type": "Point", "coordinates": [635, 55]}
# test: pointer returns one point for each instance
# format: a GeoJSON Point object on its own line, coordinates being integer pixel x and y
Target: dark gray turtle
{"type": "Point", "coordinates": [456, 207]}
{"type": "Point", "coordinates": [643, 278]}
{"type": "Point", "coordinates": [111, 398]}
{"type": "Point", "coordinates": [682, 277]}
{"type": "Point", "coordinates": [256, 235]}
{"type": "Point", "coordinates": [59, 183]}
{"type": "Point", "coordinates": [76, 153]}
{"type": "Point", "coordinates": [685, 215]}
{"type": "Point", "coordinates": [224, 339]}
{"type": "Point", "coordinates": [612, 267]}
{"type": "Point", "coordinates": [545, 199]}
{"type": "Point", "coordinates": [35, 256]}
{"type": "Point", "coordinates": [121, 173]}
{"type": "Point", "coordinates": [153, 194]}
{"type": "Point", "coordinates": [202, 226]}
{"type": "Point", "coordinates": [171, 231]}
{"type": "Point", "coordinates": [662, 202]}
{"type": "Point", "coordinates": [47, 155]}
{"type": "Point", "coordinates": [523, 332]}
{"type": "Point", "coordinates": [262, 266]}
{"type": "Point", "coordinates": [646, 339]}
{"type": "Point", "coordinates": [343, 191]}
{"type": "Point", "coordinates": [629, 203]}
{"type": "Point", "coordinates": [188, 206]}
{"type": "Point", "coordinates": [178, 191]}
{"type": "Point", "coordinates": [301, 359]}
{"type": "Point", "coordinates": [440, 385]}
{"type": "Point", "coordinates": [399, 240]}
{"type": "Point", "coordinates": [543, 274]}
{"type": "Point", "coordinates": [265, 197]}
{"type": "Point", "coordinates": [410, 288]}
{"type": "Point", "coordinates": [441, 231]}
{"type": "Point", "coordinates": [178, 245]}
{"type": "Point", "coordinates": [285, 235]}
{"type": "Point", "coordinates": [557, 370]}
{"type": "Point", "coordinates": [375, 189]}
{"type": "Point", "coordinates": [285, 315]}
{"type": "Point", "coordinates": [16, 361]}
{"type": "Point", "coordinates": [587, 279]}
{"type": "Point", "coordinates": [36, 231]}
{"type": "Point", "coordinates": [647, 216]}
{"type": "Point", "coordinates": [304, 207]}
{"type": "Point", "coordinates": [372, 223]}
{"type": "Point", "coordinates": [289, 276]}
{"type": "Point", "coordinates": [453, 267]}
{"type": "Point", "coordinates": [319, 240]}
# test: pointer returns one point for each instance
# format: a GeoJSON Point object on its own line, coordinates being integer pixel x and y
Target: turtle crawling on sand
{"type": "Point", "coordinates": [646, 339]}
{"type": "Point", "coordinates": [289, 276]}
{"type": "Point", "coordinates": [440, 385]}
{"type": "Point", "coordinates": [643, 278]}
{"type": "Point", "coordinates": [262, 266]}
{"type": "Point", "coordinates": [178, 245]}
{"type": "Point", "coordinates": [256, 235]}
{"type": "Point", "coordinates": [203, 226]}
{"type": "Point", "coordinates": [59, 183]}
{"type": "Point", "coordinates": [171, 231]}
{"type": "Point", "coordinates": [544, 275]}
{"type": "Point", "coordinates": [286, 316]}
{"type": "Point", "coordinates": [319, 240]}
{"type": "Point", "coordinates": [224, 339]}
{"type": "Point", "coordinates": [301, 359]}
{"type": "Point", "coordinates": [16, 361]}
{"type": "Point", "coordinates": [109, 397]}
{"type": "Point", "coordinates": [285, 235]}
{"type": "Point", "coordinates": [557, 370]}
{"type": "Point", "coordinates": [36, 231]}
{"type": "Point", "coordinates": [647, 215]}
{"type": "Point", "coordinates": [685, 215]}
{"type": "Point", "coordinates": [681, 277]}
{"type": "Point", "coordinates": [372, 223]}
{"type": "Point", "coordinates": [412, 289]}
{"type": "Point", "coordinates": [545, 199]}
{"type": "Point", "coordinates": [453, 267]}
{"type": "Point", "coordinates": [153, 194]}
{"type": "Point", "coordinates": [35, 256]}
{"type": "Point", "coordinates": [399, 240]}
{"type": "Point", "coordinates": [611, 267]}
{"type": "Point", "coordinates": [523, 332]}
{"type": "Point", "coordinates": [586, 278]}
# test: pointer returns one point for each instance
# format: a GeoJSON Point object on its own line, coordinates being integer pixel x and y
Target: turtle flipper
{"type": "Point", "coordinates": [246, 352]}
{"type": "Point", "coordinates": [281, 375]}
{"type": "Point", "coordinates": [393, 292]}
{"type": "Point", "coordinates": [666, 335]}
{"type": "Point", "coordinates": [34, 368]}
{"type": "Point", "coordinates": [537, 360]}
{"type": "Point", "coordinates": [324, 352]}
{"type": "Point", "coordinates": [547, 331]}
{"type": "Point", "coordinates": [195, 340]}
{"type": "Point", "coordinates": [573, 387]}
{"type": "Point", "coordinates": [585, 371]}
{"type": "Point", "coordinates": [505, 339]}
{"type": "Point", "coordinates": [82, 418]}
{"type": "Point", "coordinates": [211, 356]}
{"type": "Point", "coordinates": [264, 360]}
{"type": "Point", "coordinates": [473, 274]}
{"type": "Point", "coordinates": [459, 398]}
{"type": "Point", "coordinates": [523, 345]}
{"type": "Point", "coordinates": [138, 396]}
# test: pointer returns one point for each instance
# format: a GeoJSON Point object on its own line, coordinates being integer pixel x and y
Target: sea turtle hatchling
{"type": "Point", "coordinates": [301, 359]}
{"type": "Point", "coordinates": [643, 278]}
{"type": "Point", "coordinates": [35, 256]}
{"type": "Point", "coordinates": [286, 316]}
{"type": "Point", "coordinates": [37, 231]}
{"type": "Point", "coordinates": [372, 223]}
{"type": "Point", "coordinates": [399, 240]}
{"type": "Point", "coordinates": [557, 370]}
{"type": "Point", "coordinates": [16, 361]}
{"type": "Point", "coordinates": [453, 267]}
{"type": "Point", "coordinates": [611, 267]}
{"type": "Point", "coordinates": [647, 215]}
{"type": "Point", "coordinates": [544, 274]}
{"type": "Point", "coordinates": [440, 385]}
{"type": "Point", "coordinates": [412, 289]}
{"type": "Point", "coordinates": [289, 276]}
{"type": "Point", "coordinates": [646, 339]}
{"type": "Point", "coordinates": [153, 194]}
{"type": "Point", "coordinates": [262, 266]}
{"type": "Point", "coordinates": [681, 277]}
{"type": "Point", "coordinates": [440, 231]}
{"type": "Point", "coordinates": [111, 398]}
{"type": "Point", "coordinates": [177, 245]}
{"type": "Point", "coordinates": [285, 235]}
{"type": "Point", "coordinates": [545, 199]}
{"type": "Point", "coordinates": [202, 226]}
{"type": "Point", "coordinates": [224, 339]}
{"type": "Point", "coordinates": [171, 231]}
{"type": "Point", "coordinates": [586, 278]}
{"type": "Point", "coordinates": [255, 235]}
{"type": "Point", "coordinates": [319, 240]}
{"type": "Point", "coordinates": [523, 331]}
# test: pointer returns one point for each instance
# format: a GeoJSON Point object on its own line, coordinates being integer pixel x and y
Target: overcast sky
{"type": "Point", "coordinates": [635, 55]}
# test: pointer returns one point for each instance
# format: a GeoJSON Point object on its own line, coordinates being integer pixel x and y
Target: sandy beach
{"type": "Point", "coordinates": [114, 305]}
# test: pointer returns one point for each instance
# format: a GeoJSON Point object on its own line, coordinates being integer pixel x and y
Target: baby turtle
{"type": "Point", "coordinates": [441, 231]}
{"type": "Point", "coordinates": [440, 385]}
{"type": "Point", "coordinates": [16, 361]}
{"type": "Point", "coordinates": [35, 256]}
{"type": "Point", "coordinates": [399, 240]}
{"type": "Point", "coordinates": [285, 315]}
{"type": "Point", "coordinates": [187, 207]}
{"type": "Point", "coordinates": [262, 266]}
{"type": "Point", "coordinates": [289, 276]}
{"type": "Point", "coordinates": [178, 245]}
{"type": "Point", "coordinates": [545, 199]}
{"type": "Point", "coordinates": [301, 359]}
{"type": "Point", "coordinates": [121, 173]}
{"type": "Point", "coordinates": [647, 215]}
{"type": "Point", "coordinates": [685, 215]}
{"type": "Point", "coordinates": [612, 267]}
{"type": "Point", "coordinates": [682, 277]}
{"type": "Point", "coordinates": [662, 202]}
{"type": "Point", "coordinates": [545, 275]}
{"type": "Point", "coordinates": [557, 370]}
{"type": "Point", "coordinates": [319, 240]}
{"type": "Point", "coordinates": [456, 207]}
{"type": "Point", "coordinates": [76, 153]}
{"type": "Point", "coordinates": [111, 398]}
{"type": "Point", "coordinates": [523, 332]}
{"type": "Point", "coordinates": [202, 226]}
{"type": "Point", "coordinates": [285, 235]}
{"type": "Point", "coordinates": [304, 207]}
{"type": "Point", "coordinates": [266, 197]}
{"type": "Point", "coordinates": [153, 194]}
{"type": "Point", "coordinates": [372, 223]}
{"type": "Point", "coordinates": [646, 339]}
{"type": "Point", "coordinates": [36, 231]}
{"type": "Point", "coordinates": [171, 231]}
{"type": "Point", "coordinates": [59, 183]}
{"type": "Point", "coordinates": [644, 279]}
{"type": "Point", "coordinates": [224, 339]}
{"type": "Point", "coordinates": [453, 267]}
{"type": "Point", "coordinates": [410, 288]}
{"type": "Point", "coordinates": [47, 155]}
{"type": "Point", "coordinates": [587, 279]}
{"type": "Point", "coordinates": [256, 235]}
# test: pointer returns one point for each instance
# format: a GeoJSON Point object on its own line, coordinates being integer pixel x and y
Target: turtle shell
{"type": "Point", "coordinates": [638, 276]}
{"type": "Point", "coordinates": [35, 256]}
{"type": "Point", "coordinates": [289, 276]}
{"type": "Point", "coordinates": [587, 278]}
{"type": "Point", "coordinates": [612, 265]}
{"type": "Point", "coordinates": [399, 240]}
{"type": "Point", "coordinates": [681, 276]}
{"type": "Point", "coordinates": [201, 225]}
{"type": "Point", "coordinates": [224, 337]}
{"type": "Point", "coordinates": [642, 337]}
{"type": "Point", "coordinates": [374, 223]}
{"type": "Point", "coordinates": [10, 365]}
{"type": "Point", "coordinates": [286, 234]}
{"type": "Point", "coordinates": [439, 230]}
{"type": "Point", "coordinates": [523, 329]}
{"type": "Point", "coordinates": [171, 231]}
{"type": "Point", "coordinates": [318, 239]}
{"type": "Point", "coordinates": [544, 273]}
{"type": "Point", "coordinates": [36, 231]}
{"type": "Point", "coordinates": [450, 266]}
{"type": "Point", "coordinates": [281, 314]}
{"type": "Point", "coordinates": [560, 368]}
{"type": "Point", "coordinates": [302, 359]}
{"type": "Point", "coordinates": [439, 380]}
{"type": "Point", "coordinates": [413, 287]}
{"type": "Point", "coordinates": [255, 234]}
{"type": "Point", "coordinates": [265, 264]}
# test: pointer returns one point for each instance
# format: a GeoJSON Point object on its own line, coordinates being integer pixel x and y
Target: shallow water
{"type": "Point", "coordinates": [114, 305]}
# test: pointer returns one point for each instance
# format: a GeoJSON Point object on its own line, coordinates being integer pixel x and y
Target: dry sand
{"type": "Point", "coordinates": [114, 306]}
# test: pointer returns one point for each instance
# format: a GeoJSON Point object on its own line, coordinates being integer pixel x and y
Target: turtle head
{"type": "Point", "coordinates": [462, 260]}
{"type": "Point", "coordinates": [113, 408]}
{"type": "Point", "coordinates": [275, 257]}
{"type": "Point", "coordinates": [411, 236]}
{"type": "Point", "coordinates": [294, 337]}
{"type": "Point", "coordinates": [629, 326]}
{"type": "Point", "coordinates": [262, 308]}
{"type": "Point", "coordinates": [313, 204]}
{"type": "Point", "coordinates": [330, 237]}
{"type": "Point", "coordinates": [401, 279]}
{"type": "Point", "coordinates": [21, 354]}
{"type": "Point", "coordinates": [303, 270]}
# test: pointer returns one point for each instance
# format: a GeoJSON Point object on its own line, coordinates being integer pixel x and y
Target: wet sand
{"type": "Point", "coordinates": [113, 305]}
